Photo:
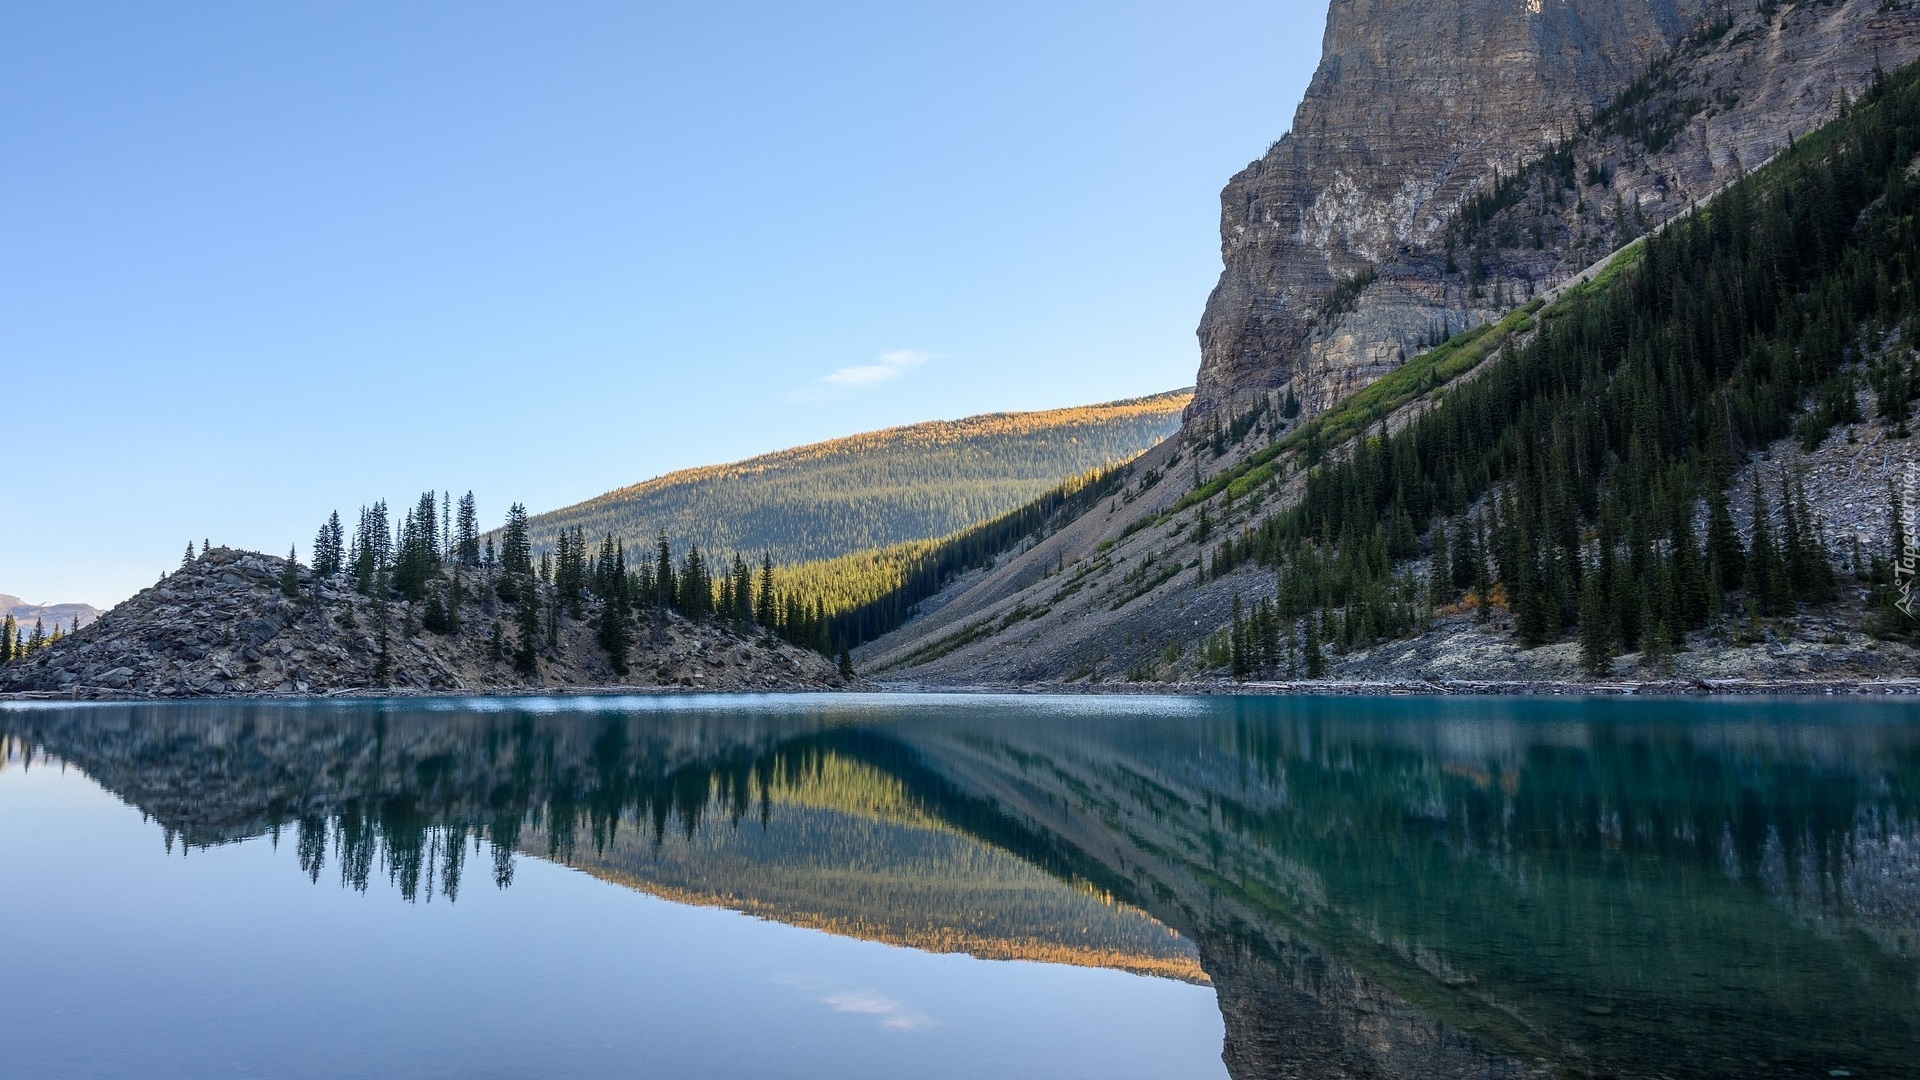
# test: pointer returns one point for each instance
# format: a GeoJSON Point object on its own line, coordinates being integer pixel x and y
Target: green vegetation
{"type": "Point", "coordinates": [861, 596]}
{"type": "Point", "coordinates": [871, 491]}
{"type": "Point", "coordinates": [1571, 470]}
{"type": "Point", "coordinates": [1418, 376]}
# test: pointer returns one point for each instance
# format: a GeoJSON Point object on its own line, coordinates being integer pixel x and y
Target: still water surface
{"type": "Point", "coordinates": [925, 886]}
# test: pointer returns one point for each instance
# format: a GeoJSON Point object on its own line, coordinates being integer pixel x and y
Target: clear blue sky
{"type": "Point", "coordinates": [262, 261]}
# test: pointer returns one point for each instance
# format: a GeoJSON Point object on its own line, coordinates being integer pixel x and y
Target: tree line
{"type": "Point", "coordinates": [18, 643]}
{"type": "Point", "coordinates": [435, 560]}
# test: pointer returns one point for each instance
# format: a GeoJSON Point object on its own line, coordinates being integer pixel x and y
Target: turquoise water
{"type": "Point", "coordinates": [932, 886]}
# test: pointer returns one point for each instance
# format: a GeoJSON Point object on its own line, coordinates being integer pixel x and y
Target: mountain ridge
{"type": "Point", "coordinates": [870, 489]}
{"type": "Point", "coordinates": [54, 615]}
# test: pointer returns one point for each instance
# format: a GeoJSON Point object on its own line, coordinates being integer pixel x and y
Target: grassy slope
{"type": "Point", "coordinates": [876, 489]}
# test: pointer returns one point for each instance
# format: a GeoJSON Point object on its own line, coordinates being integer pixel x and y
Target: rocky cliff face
{"type": "Point", "coordinates": [1345, 248]}
{"type": "Point", "coordinates": [1416, 105]}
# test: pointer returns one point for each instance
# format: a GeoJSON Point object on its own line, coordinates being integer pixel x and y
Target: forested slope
{"type": "Point", "coordinates": [1573, 483]}
{"type": "Point", "coordinates": [870, 490]}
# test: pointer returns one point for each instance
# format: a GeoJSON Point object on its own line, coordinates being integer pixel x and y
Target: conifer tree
{"type": "Point", "coordinates": [467, 533]}
{"type": "Point", "coordinates": [615, 614]}
{"type": "Point", "coordinates": [516, 556]}
{"type": "Point", "coordinates": [846, 663]}
{"type": "Point", "coordinates": [526, 657]}
{"type": "Point", "coordinates": [290, 576]}
{"type": "Point", "coordinates": [8, 629]}
{"type": "Point", "coordinates": [1724, 556]}
{"type": "Point", "coordinates": [187, 560]}
{"type": "Point", "coordinates": [665, 588]}
{"type": "Point", "coordinates": [1767, 586]}
{"type": "Point", "coordinates": [1596, 628]}
{"type": "Point", "coordinates": [763, 611]}
{"type": "Point", "coordinates": [327, 544]}
{"type": "Point", "coordinates": [1237, 642]}
{"type": "Point", "coordinates": [434, 617]}
{"type": "Point", "coordinates": [1440, 591]}
{"type": "Point", "coordinates": [741, 610]}
{"type": "Point", "coordinates": [1316, 662]}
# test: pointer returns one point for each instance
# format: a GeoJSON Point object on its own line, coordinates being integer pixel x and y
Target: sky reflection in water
{"type": "Point", "coordinates": [1385, 887]}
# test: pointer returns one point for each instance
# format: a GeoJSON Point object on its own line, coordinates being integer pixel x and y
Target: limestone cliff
{"type": "Point", "coordinates": [1453, 158]}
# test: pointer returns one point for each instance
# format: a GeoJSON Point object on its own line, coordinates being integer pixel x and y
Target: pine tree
{"type": "Point", "coordinates": [1596, 628]}
{"type": "Point", "coordinates": [764, 609]}
{"type": "Point", "coordinates": [1316, 662]}
{"type": "Point", "coordinates": [290, 576]}
{"type": "Point", "coordinates": [327, 544]}
{"type": "Point", "coordinates": [1724, 555]}
{"type": "Point", "coordinates": [846, 663]}
{"type": "Point", "coordinates": [741, 610]}
{"type": "Point", "coordinates": [1767, 586]}
{"type": "Point", "coordinates": [616, 614]}
{"type": "Point", "coordinates": [1440, 590]}
{"type": "Point", "coordinates": [665, 591]}
{"type": "Point", "coordinates": [187, 559]}
{"type": "Point", "coordinates": [1237, 642]}
{"type": "Point", "coordinates": [526, 657]}
{"type": "Point", "coordinates": [516, 556]}
{"type": "Point", "coordinates": [467, 533]}
{"type": "Point", "coordinates": [434, 618]}
{"type": "Point", "coordinates": [8, 629]}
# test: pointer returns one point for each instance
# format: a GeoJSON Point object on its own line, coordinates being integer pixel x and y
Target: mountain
{"type": "Point", "coordinates": [1455, 158]}
{"type": "Point", "coordinates": [60, 615]}
{"type": "Point", "coordinates": [1598, 462]}
{"type": "Point", "coordinates": [871, 490]}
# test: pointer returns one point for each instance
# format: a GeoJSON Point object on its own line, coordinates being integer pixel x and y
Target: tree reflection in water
{"type": "Point", "coordinates": [1374, 887]}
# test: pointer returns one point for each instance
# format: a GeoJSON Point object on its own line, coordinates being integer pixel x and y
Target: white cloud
{"type": "Point", "coordinates": [891, 365]}
{"type": "Point", "coordinates": [891, 1014]}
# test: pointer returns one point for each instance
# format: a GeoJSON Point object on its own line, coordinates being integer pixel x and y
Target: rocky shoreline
{"type": "Point", "coordinates": [1440, 688]}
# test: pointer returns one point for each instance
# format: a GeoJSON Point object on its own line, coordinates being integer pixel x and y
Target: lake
{"type": "Point", "coordinates": [882, 886]}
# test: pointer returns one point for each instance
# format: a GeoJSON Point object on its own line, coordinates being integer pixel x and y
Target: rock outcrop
{"type": "Point", "coordinates": [222, 626]}
{"type": "Point", "coordinates": [1345, 248]}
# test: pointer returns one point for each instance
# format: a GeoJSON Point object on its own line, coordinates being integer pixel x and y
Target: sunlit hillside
{"type": "Point", "coordinates": [872, 490]}
{"type": "Point", "coordinates": [834, 844]}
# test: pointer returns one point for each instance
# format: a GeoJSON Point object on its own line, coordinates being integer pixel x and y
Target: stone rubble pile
{"type": "Point", "coordinates": [221, 626]}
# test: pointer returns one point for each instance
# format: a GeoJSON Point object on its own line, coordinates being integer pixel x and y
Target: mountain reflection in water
{"type": "Point", "coordinates": [1373, 887]}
